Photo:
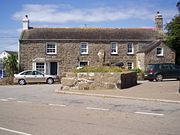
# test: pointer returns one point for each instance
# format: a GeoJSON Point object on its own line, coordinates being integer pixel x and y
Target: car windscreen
{"type": "Point", "coordinates": [149, 67]}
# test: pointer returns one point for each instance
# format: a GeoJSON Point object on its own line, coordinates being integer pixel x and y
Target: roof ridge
{"type": "Point", "coordinates": [91, 28]}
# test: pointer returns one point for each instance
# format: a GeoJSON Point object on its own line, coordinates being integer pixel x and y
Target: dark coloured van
{"type": "Point", "coordinates": [162, 71]}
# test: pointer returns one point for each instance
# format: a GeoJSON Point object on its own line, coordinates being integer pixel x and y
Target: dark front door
{"type": "Point", "coordinates": [53, 68]}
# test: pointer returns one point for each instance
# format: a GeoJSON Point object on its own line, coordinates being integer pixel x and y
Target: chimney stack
{"type": "Point", "coordinates": [159, 22]}
{"type": "Point", "coordinates": [25, 23]}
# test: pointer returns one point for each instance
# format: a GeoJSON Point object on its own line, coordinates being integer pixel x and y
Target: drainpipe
{"type": "Point", "coordinates": [179, 86]}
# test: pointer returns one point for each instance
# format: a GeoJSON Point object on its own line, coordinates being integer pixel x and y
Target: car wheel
{"type": "Point", "coordinates": [50, 81]}
{"type": "Point", "coordinates": [151, 80]}
{"type": "Point", "coordinates": [159, 77]}
{"type": "Point", "coordinates": [22, 82]}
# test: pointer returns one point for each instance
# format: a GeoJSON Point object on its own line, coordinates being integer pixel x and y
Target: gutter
{"type": "Point", "coordinates": [84, 40]}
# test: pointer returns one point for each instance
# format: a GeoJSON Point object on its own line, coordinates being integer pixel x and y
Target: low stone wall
{"type": "Point", "coordinates": [140, 76]}
{"type": "Point", "coordinates": [6, 81]}
{"type": "Point", "coordinates": [110, 80]}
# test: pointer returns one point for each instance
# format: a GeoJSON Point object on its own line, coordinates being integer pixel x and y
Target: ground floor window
{"type": "Point", "coordinates": [49, 68]}
{"type": "Point", "coordinates": [83, 63]}
{"type": "Point", "coordinates": [130, 65]}
{"type": "Point", "coordinates": [40, 67]}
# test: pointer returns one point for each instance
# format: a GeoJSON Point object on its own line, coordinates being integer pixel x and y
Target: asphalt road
{"type": "Point", "coordinates": [38, 110]}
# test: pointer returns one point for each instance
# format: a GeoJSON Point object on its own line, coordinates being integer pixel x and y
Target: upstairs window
{"type": "Point", "coordinates": [130, 48]}
{"type": "Point", "coordinates": [84, 48]}
{"type": "Point", "coordinates": [114, 48]}
{"type": "Point", "coordinates": [51, 48]}
{"type": "Point", "coordinates": [159, 51]}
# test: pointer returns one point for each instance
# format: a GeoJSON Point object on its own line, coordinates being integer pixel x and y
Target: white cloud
{"type": "Point", "coordinates": [66, 13]}
{"type": "Point", "coordinates": [63, 14]}
{"type": "Point", "coordinates": [9, 44]}
{"type": "Point", "coordinates": [6, 31]}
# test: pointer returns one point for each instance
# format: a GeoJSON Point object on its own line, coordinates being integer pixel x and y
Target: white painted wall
{"type": "Point", "coordinates": [3, 55]}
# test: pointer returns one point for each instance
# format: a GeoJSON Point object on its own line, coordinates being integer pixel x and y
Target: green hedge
{"type": "Point", "coordinates": [137, 70]}
{"type": "Point", "coordinates": [100, 69]}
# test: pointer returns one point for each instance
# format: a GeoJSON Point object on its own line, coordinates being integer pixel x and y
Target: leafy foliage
{"type": "Point", "coordinates": [137, 70]}
{"type": "Point", "coordinates": [100, 69]}
{"type": "Point", "coordinates": [173, 36]}
{"type": "Point", "coordinates": [11, 65]}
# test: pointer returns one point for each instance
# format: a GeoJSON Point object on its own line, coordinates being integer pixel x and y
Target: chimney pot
{"type": "Point", "coordinates": [159, 22]}
{"type": "Point", "coordinates": [25, 23]}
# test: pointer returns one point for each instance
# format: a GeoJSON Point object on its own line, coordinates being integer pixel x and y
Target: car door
{"type": "Point", "coordinates": [175, 71]}
{"type": "Point", "coordinates": [28, 76]}
{"type": "Point", "coordinates": [38, 76]}
{"type": "Point", "coordinates": [165, 70]}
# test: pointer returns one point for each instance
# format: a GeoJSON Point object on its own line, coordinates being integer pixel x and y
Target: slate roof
{"type": "Point", "coordinates": [11, 52]}
{"type": "Point", "coordinates": [150, 46]}
{"type": "Point", "coordinates": [100, 34]}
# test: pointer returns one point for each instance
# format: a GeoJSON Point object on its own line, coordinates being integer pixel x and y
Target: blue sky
{"type": "Point", "coordinates": [77, 13]}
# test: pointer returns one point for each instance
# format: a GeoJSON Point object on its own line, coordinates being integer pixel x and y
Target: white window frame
{"type": "Point", "coordinates": [35, 67]}
{"type": "Point", "coordinates": [130, 67]}
{"type": "Point", "coordinates": [84, 48]}
{"type": "Point", "coordinates": [55, 48]}
{"type": "Point", "coordinates": [114, 48]}
{"type": "Point", "coordinates": [132, 48]}
{"type": "Point", "coordinates": [162, 51]}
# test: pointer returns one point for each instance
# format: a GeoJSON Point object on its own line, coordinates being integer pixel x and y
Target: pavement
{"type": "Point", "coordinates": [165, 91]}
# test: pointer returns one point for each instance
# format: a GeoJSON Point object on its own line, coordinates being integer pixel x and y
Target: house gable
{"type": "Point", "coordinates": [151, 56]}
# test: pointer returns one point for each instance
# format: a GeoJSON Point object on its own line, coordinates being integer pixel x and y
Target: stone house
{"type": "Point", "coordinates": [57, 50]}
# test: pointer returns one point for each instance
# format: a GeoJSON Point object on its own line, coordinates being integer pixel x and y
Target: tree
{"type": "Point", "coordinates": [11, 65]}
{"type": "Point", "coordinates": [173, 36]}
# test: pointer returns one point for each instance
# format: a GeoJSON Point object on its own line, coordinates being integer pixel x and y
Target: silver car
{"type": "Point", "coordinates": [31, 76]}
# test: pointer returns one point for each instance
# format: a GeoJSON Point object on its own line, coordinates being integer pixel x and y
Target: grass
{"type": "Point", "coordinates": [100, 69]}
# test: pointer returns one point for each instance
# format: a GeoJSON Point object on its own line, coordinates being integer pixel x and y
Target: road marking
{"type": "Point", "coordinates": [57, 105]}
{"type": "Point", "coordinates": [14, 131]}
{"type": "Point", "coordinates": [24, 102]}
{"type": "Point", "coordinates": [114, 96]}
{"type": "Point", "coordinates": [100, 109]}
{"type": "Point", "coordinates": [5, 100]}
{"type": "Point", "coordinates": [158, 114]}
{"type": "Point", "coordinates": [12, 98]}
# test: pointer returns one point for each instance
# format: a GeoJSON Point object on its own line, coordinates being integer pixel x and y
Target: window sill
{"type": "Point", "coordinates": [159, 55]}
{"type": "Point", "coordinates": [114, 53]}
{"type": "Point", "coordinates": [130, 53]}
{"type": "Point", "coordinates": [51, 54]}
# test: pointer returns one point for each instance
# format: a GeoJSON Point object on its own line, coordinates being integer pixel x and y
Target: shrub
{"type": "Point", "coordinates": [100, 69]}
{"type": "Point", "coordinates": [137, 70]}
{"type": "Point", "coordinates": [10, 63]}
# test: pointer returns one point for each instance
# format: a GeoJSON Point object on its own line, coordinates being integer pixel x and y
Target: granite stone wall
{"type": "Point", "coordinates": [68, 54]}
{"type": "Point", "coordinates": [168, 56]}
{"type": "Point", "coordinates": [86, 81]}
